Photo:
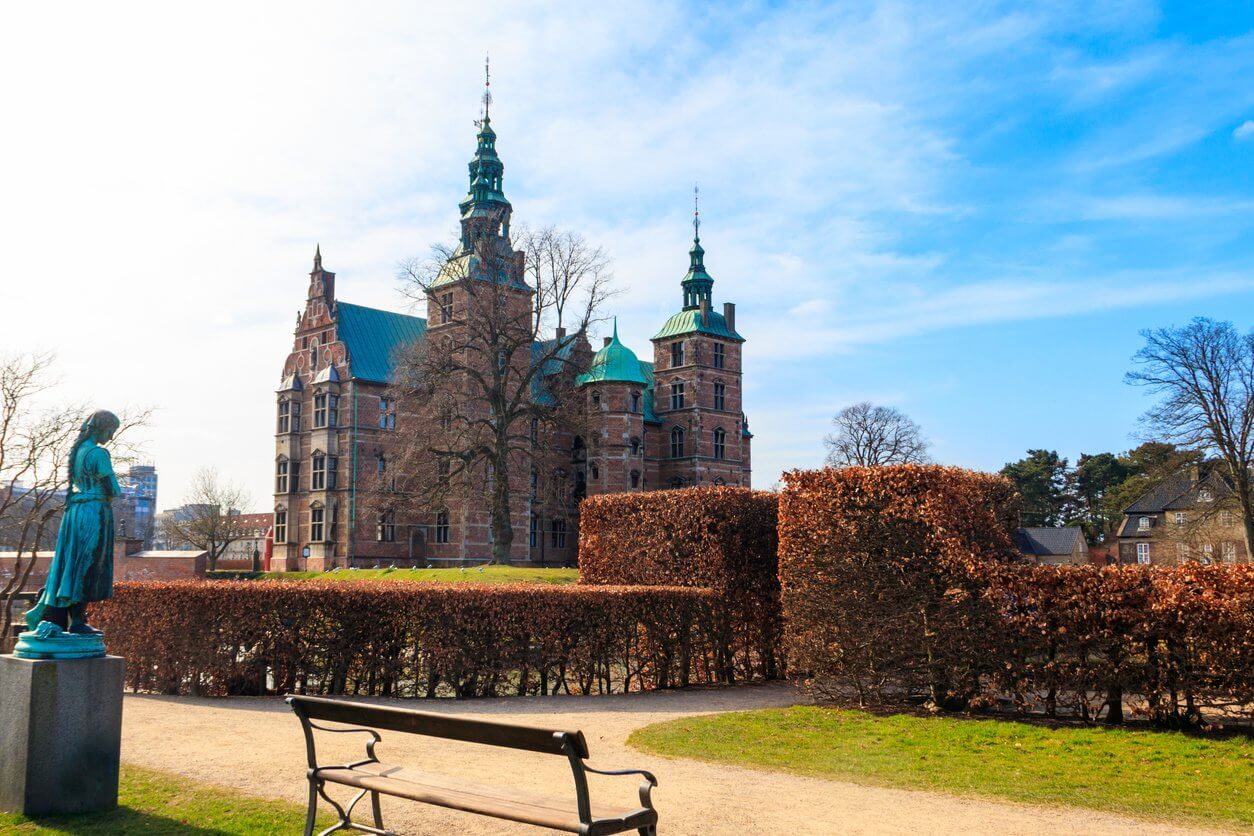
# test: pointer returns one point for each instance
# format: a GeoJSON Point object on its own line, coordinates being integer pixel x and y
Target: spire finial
{"type": "Point", "coordinates": [696, 213]}
{"type": "Point", "coordinates": [487, 85]}
{"type": "Point", "coordinates": [615, 329]}
{"type": "Point", "coordinates": [318, 256]}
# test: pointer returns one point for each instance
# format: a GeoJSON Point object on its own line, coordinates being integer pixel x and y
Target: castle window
{"type": "Point", "coordinates": [1143, 524]}
{"type": "Point", "coordinates": [317, 523]}
{"type": "Point", "coordinates": [295, 416]}
{"type": "Point", "coordinates": [446, 418]}
{"type": "Point", "coordinates": [720, 357]}
{"type": "Point", "coordinates": [333, 410]}
{"type": "Point", "coordinates": [558, 534]}
{"type": "Point", "coordinates": [280, 476]}
{"type": "Point", "coordinates": [318, 480]}
{"type": "Point", "coordinates": [535, 429]}
{"type": "Point", "coordinates": [677, 442]}
{"type": "Point", "coordinates": [535, 524]}
{"type": "Point", "coordinates": [280, 525]}
{"type": "Point", "coordinates": [320, 410]}
{"type": "Point", "coordinates": [635, 401]}
{"type": "Point", "coordinates": [677, 481]}
{"type": "Point", "coordinates": [285, 416]}
{"type": "Point", "coordinates": [386, 532]}
{"type": "Point", "coordinates": [720, 395]}
{"type": "Point", "coordinates": [1142, 553]}
{"type": "Point", "coordinates": [635, 446]}
{"type": "Point", "coordinates": [596, 472]}
{"type": "Point", "coordinates": [387, 414]}
{"type": "Point", "coordinates": [535, 486]}
{"type": "Point", "coordinates": [446, 308]}
{"type": "Point", "coordinates": [677, 353]}
{"type": "Point", "coordinates": [720, 443]}
{"type": "Point", "coordinates": [677, 395]}
{"type": "Point", "coordinates": [444, 467]}
{"type": "Point", "coordinates": [441, 527]}
{"type": "Point", "coordinates": [596, 400]}
{"type": "Point", "coordinates": [313, 354]}
{"type": "Point", "coordinates": [635, 478]}
{"type": "Point", "coordinates": [332, 469]}
{"type": "Point", "coordinates": [381, 464]}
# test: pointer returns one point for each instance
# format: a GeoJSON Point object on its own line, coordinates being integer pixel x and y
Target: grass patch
{"type": "Point", "coordinates": [151, 802]}
{"type": "Point", "coordinates": [1143, 773]}
{"type": "Point", "coordinates": [490, 574]}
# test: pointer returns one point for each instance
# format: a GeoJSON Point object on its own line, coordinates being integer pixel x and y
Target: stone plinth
{"type": "Point", "coordinates": [60, 734]}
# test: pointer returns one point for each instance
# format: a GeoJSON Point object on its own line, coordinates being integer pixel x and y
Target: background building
{"type": "Point", "coordinates": [1191, 516]}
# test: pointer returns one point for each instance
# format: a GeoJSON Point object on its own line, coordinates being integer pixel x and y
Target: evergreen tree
{"type": "Point", "coordinates": [1041, 478]}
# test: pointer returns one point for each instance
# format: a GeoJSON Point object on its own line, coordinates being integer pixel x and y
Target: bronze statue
{"type": "Point", "coordinates": [82, 568]}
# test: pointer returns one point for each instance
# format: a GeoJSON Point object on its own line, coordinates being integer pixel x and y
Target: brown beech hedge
{"type": "Point", "coordinates": [719, 538]}
{"type": "Point", "coordinates": [901, 584]}
{"type": "Point", "coordinates": [414, 639]}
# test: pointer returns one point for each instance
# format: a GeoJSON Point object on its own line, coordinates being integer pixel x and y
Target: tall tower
{"type": "Point", "coordinates": [704, 436]}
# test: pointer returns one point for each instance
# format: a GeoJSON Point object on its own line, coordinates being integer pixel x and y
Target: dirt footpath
{"type": "Point", "coordinates": [255, 745]}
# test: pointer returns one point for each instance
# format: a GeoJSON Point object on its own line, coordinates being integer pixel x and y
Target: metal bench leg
{"type": "Point", "coordinates": [378, 812]}
{"type": "Point", "coordinates": [651, 830]}
{"type": "Point", "coordinates": [312, 815]}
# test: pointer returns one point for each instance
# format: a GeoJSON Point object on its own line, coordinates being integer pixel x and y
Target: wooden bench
{"type": "Point", "coordinates": [371, 777]}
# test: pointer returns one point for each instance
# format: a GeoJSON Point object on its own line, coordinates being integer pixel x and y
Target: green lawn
{"type": "Point", "coordinates": [152, 802]}
{"type": "Point", "coordinates": [1143, 773]}
{"type": "Point", "coordinates": [490, 574]}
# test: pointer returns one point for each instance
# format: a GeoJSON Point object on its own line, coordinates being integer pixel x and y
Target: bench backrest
{"type": "Point", "coordinates": [430, 724]}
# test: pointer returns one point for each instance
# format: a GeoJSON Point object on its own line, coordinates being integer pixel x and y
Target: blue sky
{"type": "Point", "coordinates": [967, 212]}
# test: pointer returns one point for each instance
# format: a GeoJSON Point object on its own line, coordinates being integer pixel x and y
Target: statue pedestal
{"type": "Point", "coordinates": [60, 734]}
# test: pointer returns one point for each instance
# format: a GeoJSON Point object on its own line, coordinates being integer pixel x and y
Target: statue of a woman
{"type": "Point", "coordinates": [82, 568]}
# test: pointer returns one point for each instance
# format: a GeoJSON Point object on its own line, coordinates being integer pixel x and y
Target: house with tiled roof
{"type": "Point", "coordinates": [1190, 516]}
{"type": "Point", "coordinates": [672, 421]}
{"type": "Point", "coordinates": [1056, 546]}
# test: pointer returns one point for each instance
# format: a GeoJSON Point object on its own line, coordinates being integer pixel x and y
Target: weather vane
{"type": "Point", "coordinates": [696, 212]}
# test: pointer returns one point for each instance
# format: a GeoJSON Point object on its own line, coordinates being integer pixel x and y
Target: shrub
{"type": "Point", "coordinates": [880, 592]}
{"type": "Point", "coordinates": [398, 639]}
{"type": "Point", "coordinates": [718, 538]}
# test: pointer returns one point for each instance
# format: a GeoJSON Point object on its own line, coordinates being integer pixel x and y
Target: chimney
{"type": "Point", "coordinates": [1195, 472]}
{"type": "Point", "coordinates": [561, 333]}
{"type": "Point", "coordinates": [606, 340]}
{"type": "Point", "coordinates": [729, 314]}
{"type": "Point", "coordinates": [705, 310]}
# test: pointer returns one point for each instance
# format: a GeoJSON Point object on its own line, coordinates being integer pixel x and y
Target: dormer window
{"type": "Point", "coordinates": [1204, 495]}
{"type": "Point", "coordinates": [1143, 524]}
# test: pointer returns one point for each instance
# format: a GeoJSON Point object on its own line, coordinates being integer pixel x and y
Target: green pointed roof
{"type": "Point", "coordinates": [691, 321]}
{"type": "Point", "coordinates": [615, 363]}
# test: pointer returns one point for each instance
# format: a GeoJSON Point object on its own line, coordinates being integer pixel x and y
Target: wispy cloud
{"type": "Point", "coordinates": [1245, 130]}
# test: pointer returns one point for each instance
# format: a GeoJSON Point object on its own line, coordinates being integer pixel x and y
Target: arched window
{"type": "Point", "coordinates": [677, 481]}
{"type": "Point", "coordinates": [720, 443]}
{"type": "Point", "coordinates": [1143, 524]}
{"type": "Point", "coordinates": [441, 526]}
{"type": "Point", "coordinates": [677, 442]}
{"type": "Point", "coordinates": [596, 400]}
{"type": "Point", "coordinates": [635, 446]}
{"type": "Point", "coordinates": [280, 475]}
{"type": "Point", "coordinates": [635, 478]}
{"type": "Point", "coordinates": [595, 472]}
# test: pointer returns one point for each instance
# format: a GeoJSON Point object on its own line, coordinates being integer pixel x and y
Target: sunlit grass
{"type": "Point", "coordinates": [485, 574]}
{"type": "Point", "coordinates": [1165, 775]}
{"type": "Point", "coordinates": [151, 802]}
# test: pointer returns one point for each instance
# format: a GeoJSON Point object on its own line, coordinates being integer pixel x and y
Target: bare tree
{"type": "Point", "coordinates": [1204, 372]}
{"type": "Point", "coordinates": [480, 397]}
{"type": "Point", "coordinates": [210, 516]}
{"type": "Point", "coordinates": [35, 442]}
{"type": "Point", "coordinates": [872, 435]}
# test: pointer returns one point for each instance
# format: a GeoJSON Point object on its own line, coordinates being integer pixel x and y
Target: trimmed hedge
{"type": "Point", "coordinates": [878, 593]}
{"type": "Point", "coordinates": [417, 640]}
{"type": "Point", "coordinates": [719, 538]}
{"type": "Point", "coordinates": [901, 584]}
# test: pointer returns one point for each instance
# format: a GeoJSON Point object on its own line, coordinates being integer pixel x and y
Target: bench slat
{"type": "Point", "coordinates": [430, 724]}
{"type": "Point", "coordinates": [490, 801]}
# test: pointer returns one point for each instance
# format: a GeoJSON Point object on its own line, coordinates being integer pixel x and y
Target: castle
{"type": "Point", "coordinates": [671, 423]}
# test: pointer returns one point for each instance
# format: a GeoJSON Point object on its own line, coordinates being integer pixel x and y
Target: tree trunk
{"type": "Point", "coordinates": [502, 528]}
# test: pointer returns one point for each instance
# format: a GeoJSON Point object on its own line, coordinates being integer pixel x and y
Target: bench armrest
{"type": "Point", "coordinates": [646, 786]}
{"type": "Point", "coordinates": [370, 744]}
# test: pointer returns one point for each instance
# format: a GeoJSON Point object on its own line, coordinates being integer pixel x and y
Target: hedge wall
{"type": "Point", "coordinates": [878, 595]}
{"type": "Point", "coordinates": [420, 640]}
{"type": "Point", "coordinates": [901, 584]}
{"type": "Point", "coordinates": [719, 538]}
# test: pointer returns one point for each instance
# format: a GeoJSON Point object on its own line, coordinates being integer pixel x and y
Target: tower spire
{"type": "Point", "coordinates": [697, 283]}
{"type": "Point", "coordinates": [318, 256]}
{"type": "Point", "coordinates": [487, 86]}
{"type": "Point", "coordinates": [696, 214]}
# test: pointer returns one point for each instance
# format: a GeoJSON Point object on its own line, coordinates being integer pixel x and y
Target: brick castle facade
{"type": "Point", "coordinates": [674, 422]}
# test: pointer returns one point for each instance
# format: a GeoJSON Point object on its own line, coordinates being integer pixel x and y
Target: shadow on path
{"type": "Point", "coordinates": [122, 820]}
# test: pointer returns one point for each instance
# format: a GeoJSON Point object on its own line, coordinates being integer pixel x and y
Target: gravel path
{"type": "Point", "coordinates": [255, 745]}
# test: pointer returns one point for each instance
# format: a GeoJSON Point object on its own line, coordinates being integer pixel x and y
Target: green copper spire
{"type": "Point", "coordinates": [697, 283]}
{"type": "Point", "coordinates": [485, 209]}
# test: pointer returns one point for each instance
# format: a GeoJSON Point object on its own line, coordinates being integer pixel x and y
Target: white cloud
{"type": "Point", "coordinates": [1245, 130]}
